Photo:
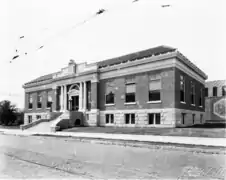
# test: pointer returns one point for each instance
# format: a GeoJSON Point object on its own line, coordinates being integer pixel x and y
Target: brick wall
{"type": "Point", "coordinates": [34, 97]}
{"type": "Point", "coordinates": [198, 86]}
{"type": "Point", "coordinates": [142, 90]}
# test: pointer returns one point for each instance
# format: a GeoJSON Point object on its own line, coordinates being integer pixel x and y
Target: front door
{"type": "Point", "coordinates": [75, 103]}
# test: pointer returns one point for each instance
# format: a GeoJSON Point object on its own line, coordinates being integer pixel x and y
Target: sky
{"type": "Point", "coordinates": [195, 27]}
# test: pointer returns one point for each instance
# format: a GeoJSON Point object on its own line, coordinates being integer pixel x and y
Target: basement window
{"type": "Point", "coordinates": [183, 118]}
{"type": "Point", "coordinates": [109, 118]}
{"type": "Point", "coordinates": [29, 119]}
{"type": "Point", "coordinates": [154, 118]}
{"type": "Point", "coordinates": [130, 118]}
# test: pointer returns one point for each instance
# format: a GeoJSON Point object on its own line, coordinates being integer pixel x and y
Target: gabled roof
{"type": "Point", "coordinates": [217, 83]}
{"type": "Point", "coordinates": [137, 55]}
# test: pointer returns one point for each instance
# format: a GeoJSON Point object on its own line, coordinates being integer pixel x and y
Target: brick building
{"type": "Point", "coordinates": [157, 87]}
{"type": "Point", "coordinates": [215, 101]}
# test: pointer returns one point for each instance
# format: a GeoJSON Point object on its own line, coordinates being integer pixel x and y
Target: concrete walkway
{"type": "Point", "coordinates": [42, 127]}
{"type": "Point", "coordinates": [217, 142]}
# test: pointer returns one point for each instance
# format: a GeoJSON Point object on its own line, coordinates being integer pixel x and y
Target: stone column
{"type": "Point", "coordinates": [61, 98]}
{"type": "Point", "coordinates": [85, 97]}
{"type": "Point", "coordinates": [65, 98]}
{"type": "Point", "coordinates": [80, 96]}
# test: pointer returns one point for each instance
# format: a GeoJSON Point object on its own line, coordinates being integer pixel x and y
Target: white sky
{"type": "Point", "coordinates": [196, 27]}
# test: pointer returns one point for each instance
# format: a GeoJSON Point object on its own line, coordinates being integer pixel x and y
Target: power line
{"type": "Point", "coordinates": [66, 31]}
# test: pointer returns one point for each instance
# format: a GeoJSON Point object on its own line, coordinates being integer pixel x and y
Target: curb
{"type": "Point", "coordinates": [124, 142]}
{"type": "Point", "coordinates": [132, 143]}
{"type": "Point", "coordinates": [144, 144]}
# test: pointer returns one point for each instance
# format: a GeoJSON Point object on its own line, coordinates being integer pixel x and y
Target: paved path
{"type": "Point", "coordinates": [41, 127]}
{"type": "Point", "coordinates": [49, 157]}
{"type": "Point", "coordinates": [143, 138]}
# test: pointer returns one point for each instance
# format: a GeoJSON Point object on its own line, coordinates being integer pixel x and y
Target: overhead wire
{"type": "Point", "coordinates": [66, 31]}
{"type": "Point", "coordinates": [48, 41]}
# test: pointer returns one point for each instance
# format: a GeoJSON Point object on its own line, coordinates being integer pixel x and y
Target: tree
{"type": "Point", "coordinates": [7, 113]}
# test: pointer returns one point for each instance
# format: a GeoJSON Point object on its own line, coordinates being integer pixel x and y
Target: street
{"type": "Point", "coordinates": [50, 157]}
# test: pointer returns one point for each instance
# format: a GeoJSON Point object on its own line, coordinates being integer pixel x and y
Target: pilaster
{"type": "Point", "coordinates": [54, 96]}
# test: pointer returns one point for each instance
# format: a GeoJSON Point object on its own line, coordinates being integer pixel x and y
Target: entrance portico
{"type": "Point", "coordinates": [75, 98]}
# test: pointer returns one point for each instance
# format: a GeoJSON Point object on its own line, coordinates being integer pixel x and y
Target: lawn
{"type": "Point", "coordinates": [9, 127]}
{"type": "Point", "coordinates": [212, 131]}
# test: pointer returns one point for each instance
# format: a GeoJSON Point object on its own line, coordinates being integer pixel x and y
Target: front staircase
{"type": "Point", "coordinates": [58, 121]}
{"type": "Point", "coordinates": [42, 125]}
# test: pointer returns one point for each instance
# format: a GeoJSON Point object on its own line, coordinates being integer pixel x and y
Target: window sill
{"type": "Point", "coordinates": [130, 103]}
{"type": "Point", "coordinates": [109, 104]}
{"type": "Point", "coordinates": [30, 109]}
{"type": "Point", "coordinates": [39, 108]}
{"type": "Point", "coordinates": [193, 104]}
{"type": "Point", "coordinates": [201, 106]}
{"type": "Point", "coordinates": [182, 102]}
{"type": "Point", "coordinates": [154, 102]}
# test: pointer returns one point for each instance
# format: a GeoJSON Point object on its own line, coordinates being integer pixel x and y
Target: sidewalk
{"type": "Point", "coordinates": [199, 141]}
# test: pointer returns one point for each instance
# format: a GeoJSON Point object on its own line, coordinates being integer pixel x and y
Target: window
{"type": "Point", "coordinates": [201, 98]}
{"type": "Point", "coordinates": [154, 118]}
{"type": "Point", "coordinates": [30, 101]}
{"type": "Point", "coordinates": [29, 119]}
{"type": "Point", "coordinates": [182, 88]}
{"type": "Point", "coordinates": [49, 99]}
{"type": "Point", "coordinates": [215, 91]}
{"type": "Point", "coordinates": [206, 92]}
{"type": "Point", "coordinates": [130, 93]}
{"type": "Point", "coordinates": [110, 98]}
{"type": "Point", "coordinates": [223, 90]}
{"type": "Point", "coordinates": [183, 117]}
{"type": "Point", "coordinates": [130, 118]}
{"type": "Point", "coordinates": [38, 117]}
{"type": "Point", "coordinates": [109, 118]}
{"type": "Point", "coordinates": [39, 100]}
{"type": "Point", "coordinates": [201, 118]}
{"type": "Point", "coordinates": [193, 118]}
{"type": "Point", "coordinates": [192, 93]}
{"type": "Point", "coordinates": [154, 90]}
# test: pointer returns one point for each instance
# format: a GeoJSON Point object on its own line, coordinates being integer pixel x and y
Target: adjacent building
{"type": "Point", "coordinates": [157, 87]}
{"type": "Point", "coordinates": [215, 95]}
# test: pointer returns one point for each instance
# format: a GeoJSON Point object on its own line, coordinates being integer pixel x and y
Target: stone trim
{"type": "Point", "coordinates": [144, 67]}
{"type": "Point", "coordinates": [188, 71]}
{"type": "Point", "coordinates": [150, 65]}
{"type": "Point", "coordinates": [169, 117]}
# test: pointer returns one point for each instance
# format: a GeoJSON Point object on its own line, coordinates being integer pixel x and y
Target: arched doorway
{"type": "Point", "coordinates": [77, 122]}
{"type": "Point", "coordinates": [73, 94]}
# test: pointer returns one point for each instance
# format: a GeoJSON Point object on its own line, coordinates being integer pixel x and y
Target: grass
{"type": "Point", "coordinates": [9, 127]}
{"type": "Point", "coordinates": [212, 131]}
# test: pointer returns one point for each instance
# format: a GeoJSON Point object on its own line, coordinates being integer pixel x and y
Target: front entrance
{"type": "Point", "coordinates": [74, 103]}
